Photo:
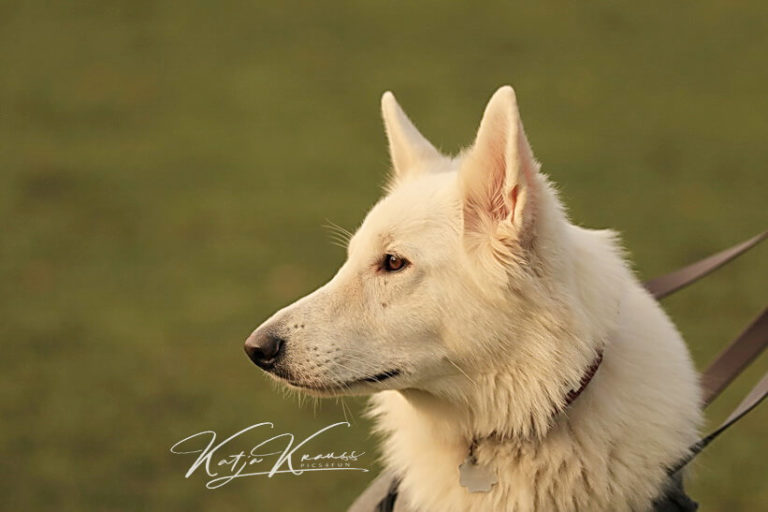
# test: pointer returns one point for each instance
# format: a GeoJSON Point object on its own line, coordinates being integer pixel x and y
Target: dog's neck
{"type": "Point", "coordinates": [570, 397]}
{"type": "Point", "coordinates": [538, 404]}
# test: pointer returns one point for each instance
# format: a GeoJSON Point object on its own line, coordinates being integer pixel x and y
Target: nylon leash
{"type": "Point", "coordinates": [752, 400]}
{"type": "Point", "coordinates": [733, 359]}
{"type": "Point", "coordinates": [668, 284]}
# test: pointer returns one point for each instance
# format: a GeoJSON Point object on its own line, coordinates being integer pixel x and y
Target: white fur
{"type": "Point", "coordinates": [504, 306]}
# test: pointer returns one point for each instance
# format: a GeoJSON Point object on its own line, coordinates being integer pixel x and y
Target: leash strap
{"type": "Point", "coordinates": [758, 393]}
{"type": "Point", "coordinates": [737, 356]}
{"type": "Point", "coordinates": [723, 370]}
{"type": "Point", "coordinates": [744, 349]}
{"type": "Point", "coordinates": [667, 284]}
{"type": "Point", "coordinates": [739, 353]}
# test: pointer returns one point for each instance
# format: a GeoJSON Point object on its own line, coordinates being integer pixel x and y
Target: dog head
{"type": "Point", "coordinates": [445, 270]}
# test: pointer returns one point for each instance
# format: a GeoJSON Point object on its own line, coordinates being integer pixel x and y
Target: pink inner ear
{"type": "Point", "coordinates": [513, 202]}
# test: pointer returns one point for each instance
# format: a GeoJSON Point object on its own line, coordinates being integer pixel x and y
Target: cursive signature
{"type": "Point", "coordinates": [223, 468]}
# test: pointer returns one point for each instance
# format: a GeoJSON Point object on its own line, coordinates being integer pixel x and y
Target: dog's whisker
{"type": "Point", "coordinates": [461, 370]}
{"type": "Point", "coordinates": [339, 244]}
{"type": "Point", "coordinates": [332, 225]}
{"type": "Point", "coordinates": [339, 235]}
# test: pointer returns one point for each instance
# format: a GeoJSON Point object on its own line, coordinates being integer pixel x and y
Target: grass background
{"type": "Point", "coordinates": [165, 169]}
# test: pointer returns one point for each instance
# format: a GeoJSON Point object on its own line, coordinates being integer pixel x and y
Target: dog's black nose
{"type": "Point", "coordinates": [263, 348]}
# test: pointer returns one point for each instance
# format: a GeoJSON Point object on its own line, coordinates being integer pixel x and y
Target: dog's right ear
{"type": "Point", "coordinates": [499, 178]}
{"type": "Point", "coordinates": [409, 150]}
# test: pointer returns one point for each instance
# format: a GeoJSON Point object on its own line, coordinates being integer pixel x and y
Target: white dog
{"type": "Point", "coordinates": [496, 334]}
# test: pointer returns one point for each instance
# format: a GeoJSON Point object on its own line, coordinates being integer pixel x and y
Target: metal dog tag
{"type": "Point", "coordinates": [474, 477]}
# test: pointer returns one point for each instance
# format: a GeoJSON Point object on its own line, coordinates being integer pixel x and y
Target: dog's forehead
{"type": "Point", "coordinates": [418, 212]}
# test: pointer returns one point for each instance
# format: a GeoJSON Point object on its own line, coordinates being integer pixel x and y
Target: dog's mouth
{"type": "Point", "coordinates": [343, 386]}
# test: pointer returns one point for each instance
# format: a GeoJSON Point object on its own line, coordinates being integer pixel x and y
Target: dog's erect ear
{"type": "Point", "coordinates": [498, 174]}
{"type": "Point", "coordinates": [408, 148]}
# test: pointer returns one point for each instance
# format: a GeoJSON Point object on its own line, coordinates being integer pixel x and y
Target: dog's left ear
{"type": "Point", "coordinates": [499, 175]}
{"type": "Point", "coordinates": [409, 149]}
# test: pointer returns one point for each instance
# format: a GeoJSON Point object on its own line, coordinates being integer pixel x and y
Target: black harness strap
{"type": "Point", "coordinates": [675, 499]}
{"type": "Point", "coordinates": [387, 504]}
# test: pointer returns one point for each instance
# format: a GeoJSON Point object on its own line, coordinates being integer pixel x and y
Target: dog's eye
{"type": "Point", "coordinates": [393, 263]}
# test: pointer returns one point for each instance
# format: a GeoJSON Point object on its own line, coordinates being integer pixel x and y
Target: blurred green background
{"type": "Point", "coordinates": [166, 169]}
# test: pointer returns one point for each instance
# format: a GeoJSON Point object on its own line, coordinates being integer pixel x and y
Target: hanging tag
{"type": "Point", "coordinates": [474, 477]}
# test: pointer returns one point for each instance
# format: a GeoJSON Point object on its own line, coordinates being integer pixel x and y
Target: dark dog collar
{"type": "Point", "coordinates": [585, 380]}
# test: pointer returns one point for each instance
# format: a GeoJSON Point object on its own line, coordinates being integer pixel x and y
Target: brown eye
{"type": "Point", "coordinates": [394, 263]}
